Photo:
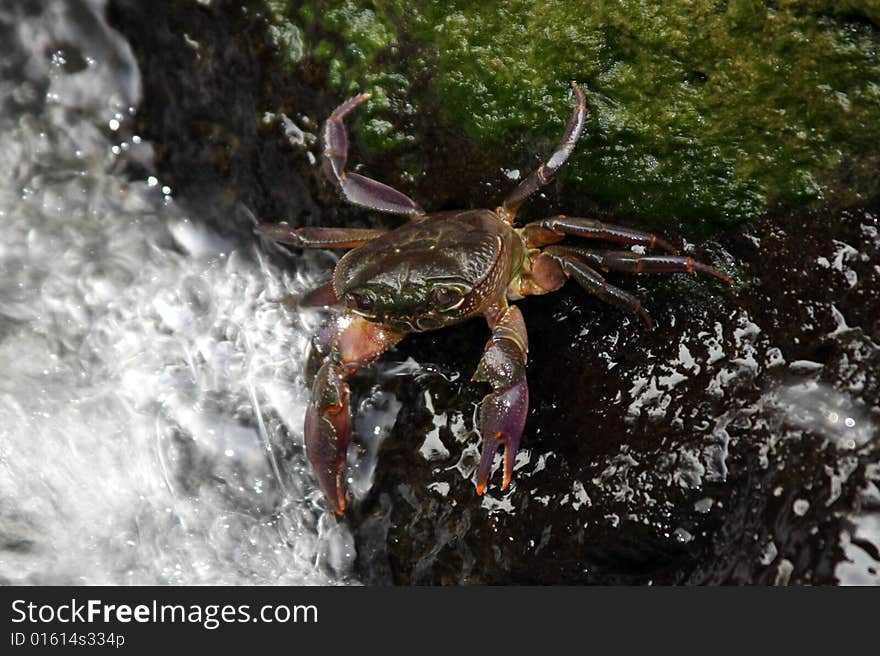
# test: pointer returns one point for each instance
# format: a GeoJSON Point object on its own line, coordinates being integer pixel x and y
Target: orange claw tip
{"type": "Point", "coordinates": [339, 506]}
{"type": "Point", "coordinates": [340, 492]}
{"type": "Point", "coordinates": [480, 488]}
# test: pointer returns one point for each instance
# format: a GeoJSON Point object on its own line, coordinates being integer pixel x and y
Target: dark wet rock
{"type": "Point", "coordinates": [716, 449]}
{"type": "Point", "coordinates": [226, 121]}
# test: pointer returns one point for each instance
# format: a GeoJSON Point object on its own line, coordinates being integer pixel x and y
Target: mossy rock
{"type": "Point", "coordinates": [703, 113]}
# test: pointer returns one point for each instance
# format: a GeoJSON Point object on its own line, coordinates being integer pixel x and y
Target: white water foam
{"type": "Point", "coordinates": [150, 403]}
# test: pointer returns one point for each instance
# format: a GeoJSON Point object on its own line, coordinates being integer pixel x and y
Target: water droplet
{"type": "Point", "coordinates": [800, 507]}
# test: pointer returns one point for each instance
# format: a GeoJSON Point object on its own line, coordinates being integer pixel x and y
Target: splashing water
{"type": "Point", "coordinates": [149, 414]}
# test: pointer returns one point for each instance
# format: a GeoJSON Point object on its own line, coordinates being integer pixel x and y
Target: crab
{"type": "Point", "coordinates": [440, 269]}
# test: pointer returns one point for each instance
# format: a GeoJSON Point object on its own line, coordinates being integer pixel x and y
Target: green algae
{"type": "Point", "coordinates": [706, 113]}
{"type": "Point", "coordinates": [285, 34]}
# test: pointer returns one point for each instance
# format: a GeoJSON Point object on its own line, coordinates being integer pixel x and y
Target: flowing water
{"type": "Point", "coordinates": [142, 355]}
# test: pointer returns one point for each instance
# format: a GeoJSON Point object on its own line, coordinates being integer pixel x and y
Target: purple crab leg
{"type": "Point", "coordinates": [575, 266]}
{"type": "Point", "coordinates": [556, 228]}
{"type": "Point", "coordinates": [323, 296]}
{"type": "Point", "coordinates": [630, 262]}
{"type": "Point", "coordinates": [356, 188]}
{"type": "Point", "coordinates": [318, 237]}
{"type": "Point", "coordinates": [328, 427]}
{"type": "Point", "coordinates": [544, 173]}
{"type": "Point", "coordinates": [503, 411]}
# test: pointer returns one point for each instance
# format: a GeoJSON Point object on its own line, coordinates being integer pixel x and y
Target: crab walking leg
{"type": "Point", "coordinates": [556, 228]}
{"type": "Point", "coordinates": [503, 411]}
{"type": "Point", "coordinates": [323, 296]}
{"type": "Point", "coordinates": [573, 265]}
{"type": "Point", "coordinates": [328, 414]}
{"type": "Point", "coordinates": [359, 189]}
{"type": "Point", "coordinates": [318, 237]}
{"type": "Point", "coordinates": [630, 262]}
{"type": "Point", "coordinates": [544, 173]}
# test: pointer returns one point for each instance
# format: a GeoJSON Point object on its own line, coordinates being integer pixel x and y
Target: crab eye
{"type": "Point", "coordinates": [446, 298]}
{"type": "Point", "coordinates": [364, 301]}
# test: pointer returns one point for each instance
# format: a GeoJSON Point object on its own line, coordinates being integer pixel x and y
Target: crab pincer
{"type": "Point", "coordinates": [328, 432]}
{"type": "Point", "coordinates": [341, 347]}
{"type": "Point", "coordinates": [503, 411]}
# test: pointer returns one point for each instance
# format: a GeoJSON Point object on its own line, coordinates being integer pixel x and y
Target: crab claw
{"type": "Point", "coordinates": [503, 411]}
{"type": "Point", "coordinates": [328, 432]}
{"type": "Point", "coordinates": [502, 419]}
